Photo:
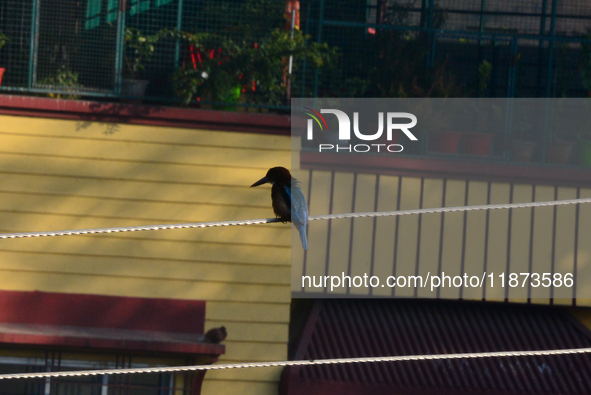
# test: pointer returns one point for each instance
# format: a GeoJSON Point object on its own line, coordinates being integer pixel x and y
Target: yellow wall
{"type": "Point", "coordinates": [440, 247]}
{"type": "Point", "coordinates": [57, 175]}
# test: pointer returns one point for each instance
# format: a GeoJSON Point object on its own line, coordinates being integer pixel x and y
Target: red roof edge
{"type": "Point", "coordinates": [144, 114]}
{"type": "Point", "coordinates": [104, 322]}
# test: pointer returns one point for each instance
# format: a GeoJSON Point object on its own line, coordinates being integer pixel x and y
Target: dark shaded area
{"type": "Point", "coordinates": [367, 328]}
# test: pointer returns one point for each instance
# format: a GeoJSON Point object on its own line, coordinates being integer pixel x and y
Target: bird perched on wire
{"type": "Point", "coordinates": [289, 203]}
{"type": "Point", "coordinates": [216, 335]}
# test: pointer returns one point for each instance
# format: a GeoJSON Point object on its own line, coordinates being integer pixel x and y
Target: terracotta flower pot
{"type": "Point", "coordinates": [134, 88]}
{"type": "Point", "coordinates": [477, 143]}
{"type": "Point", "coordinates": [2, 70]}
{"type": "Point", "coordinates": [559, 152]}
{"type": "Point", "coordinates": [522, 150]}
{"type": "Point", "coordinates": [444, 142]}
{"type": "Point", "coordinates": [585, 153]}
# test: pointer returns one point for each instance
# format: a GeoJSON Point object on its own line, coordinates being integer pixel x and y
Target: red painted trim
{"type": "Point", "coordinates": [450, 169]}
{"type": "Point", "coordinates": [112, 344]}
{"type": "Point", "coordinates": [99, 311]}
{"type": "Point", "coordinates": [144, 114]}
{"type": "Point", "coordinates": [104, 322]}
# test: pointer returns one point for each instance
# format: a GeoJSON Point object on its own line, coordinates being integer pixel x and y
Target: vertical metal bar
{"type": "Point", "coordinates": [551, 37]}
{"type": "Point", "coordinates": [119, 45]}
{"type": "Point", "coordinates": [179, 27]}
{"type": "Point", "coordinates": [305, 64]}
{"type": "Point", "coordinates": [329, 231]}
{"type": "Point", "coordinates": [34, 44]}
{"type": "Point", "coordinates": [351, 232]}
{"type": "Point", "coordinates": [418, 259]}
{"type": "Point", "coordinates": [373, 232]}
{"type": "Point", "coordinates": [512, 80]}
{"type": "Point", "coordinates": [290, 66]}
{"type": "Point", "coordinates": [509, 227]}
{"type": "Point", "coordinates": [541, 45]}
{"type": "Point", "coordinates": [430, 34]}
{"type": "Point", "coordinates": [319, 39]}
{"type": "Point", "coordinates": [481, 29]}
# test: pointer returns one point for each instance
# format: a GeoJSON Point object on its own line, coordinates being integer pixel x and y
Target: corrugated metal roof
{"type": "Point", "coordinates": [359, 328]}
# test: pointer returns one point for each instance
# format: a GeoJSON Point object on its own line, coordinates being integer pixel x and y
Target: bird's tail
{"type": "Point", "coordinates": [303, 236]}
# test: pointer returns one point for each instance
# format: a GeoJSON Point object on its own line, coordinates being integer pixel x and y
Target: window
{"type": "Point", "coordinates": [137, 384]}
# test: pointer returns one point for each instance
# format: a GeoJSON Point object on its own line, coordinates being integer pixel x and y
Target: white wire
{"type": "Point", "coordinates": [176, 369]}
{"type": "Point", "coordinates": [311, 218]}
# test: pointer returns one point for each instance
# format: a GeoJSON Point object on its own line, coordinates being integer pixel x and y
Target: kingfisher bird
{"type": "Point", "coordinates": [289, 203]}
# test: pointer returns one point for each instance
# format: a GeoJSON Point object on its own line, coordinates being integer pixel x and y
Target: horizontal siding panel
{"type": "Point", "coordinates": [141, 287]}
{"type": "Point", "coordinates": [226, 387]}
{"type": "Point", "coordinates": [253, 376]}
{"type": "Point", "coordinates": [245, 332]}
{"type": "Point", "coordinates": [145, 211]}
{"type": "Point", "coordinates": [223, 172]}
{"type": "Point", "coordinates": [61, 188]}
{"type": "Point", "coordinates": [254, 352]}
{"type": "Point", "coordinates": [164, 269]}
{"type": "Point", "coordinates": [245, 312]}
{"type": "Point", "coordinates": [160, 250]}
{"type": "Point", "coordinates": [104, 150]}
{"type": "Point", "coordinates": [137, 133]}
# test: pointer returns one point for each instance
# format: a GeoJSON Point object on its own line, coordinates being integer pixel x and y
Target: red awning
{"type": "Point", "coordinates": [104, 322]}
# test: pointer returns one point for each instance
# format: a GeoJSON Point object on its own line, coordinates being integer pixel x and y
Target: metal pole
{"type": "Point", "coordinates": [120, 45]}
{"type": "Point", "coordinates": [319, 39]}
{"type": "Point", "coordinates": [289, 67]}
{"type": "Point", "coordinates": [179, 24]}
{"type": "Point", "coordinates": [512, 80]}
{"type": "Point", "coordinates": [34, 44]}
{"type": "Point", "coordinates": [551, 49]}
{"type": "Point", "coordinates": [541, 45]}
{"type": "Point", "coordinates": [305, 64]}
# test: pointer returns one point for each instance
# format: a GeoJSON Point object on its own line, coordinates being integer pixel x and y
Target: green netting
{"type": "Point", "coordinates": [387, 48]}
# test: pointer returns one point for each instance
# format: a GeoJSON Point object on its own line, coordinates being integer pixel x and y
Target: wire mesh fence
{"type": "Point", "coordinates": [491, 48]}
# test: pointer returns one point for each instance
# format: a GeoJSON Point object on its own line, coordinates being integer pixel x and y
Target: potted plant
{"type": "Point", "coordinates": [521, 143]}
{"type": "Point", "coordinates": [139, 49]}
{"type": "Point", "coordinates": [3, 40]}
{"type": "Point", "coordinates": [560, 143]}
{"type": "Point", "coordinates": [230, 71]}
{"type": "Point", "coordinates": [62, 79]}
{"type": "Point", "coordinates": [584, 147]}
{"type": "Point", "coordinates": [486, 122]}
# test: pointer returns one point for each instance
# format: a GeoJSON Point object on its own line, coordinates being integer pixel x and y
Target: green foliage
{"type": "Point", "coordinates": [248, 20]}
{"type": "Point", "coordinates": [62, 78]}
{"type": "Point", "coordinates": [484, 74]}
{"type": "Point", "coordinates": [393, 75]}
{"type": "Point", "coordinates": [239, 64]}
{"type": "Point", "coordinates": [3, 39]}
{"type": "Point", "coordinates": [139, 48]}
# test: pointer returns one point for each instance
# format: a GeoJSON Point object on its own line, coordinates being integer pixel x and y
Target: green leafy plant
{"type": "Point", "coordinates": [64, 79]}
{"type": "Point", "coordinates": [484, 74]}
{"type": "Point", "coordinates": [238, 65]}
{"type": "Point", "coordinates": [139, 48]}
{"type": "Point", "coordinates": [3, 40]}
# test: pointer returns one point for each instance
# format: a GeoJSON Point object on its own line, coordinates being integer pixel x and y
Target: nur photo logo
{"type": "Point", "coordinates": [387, 124]}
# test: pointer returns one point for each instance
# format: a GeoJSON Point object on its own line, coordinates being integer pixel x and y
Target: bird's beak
{"type": "Point", "coordinates": [262, 181]}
